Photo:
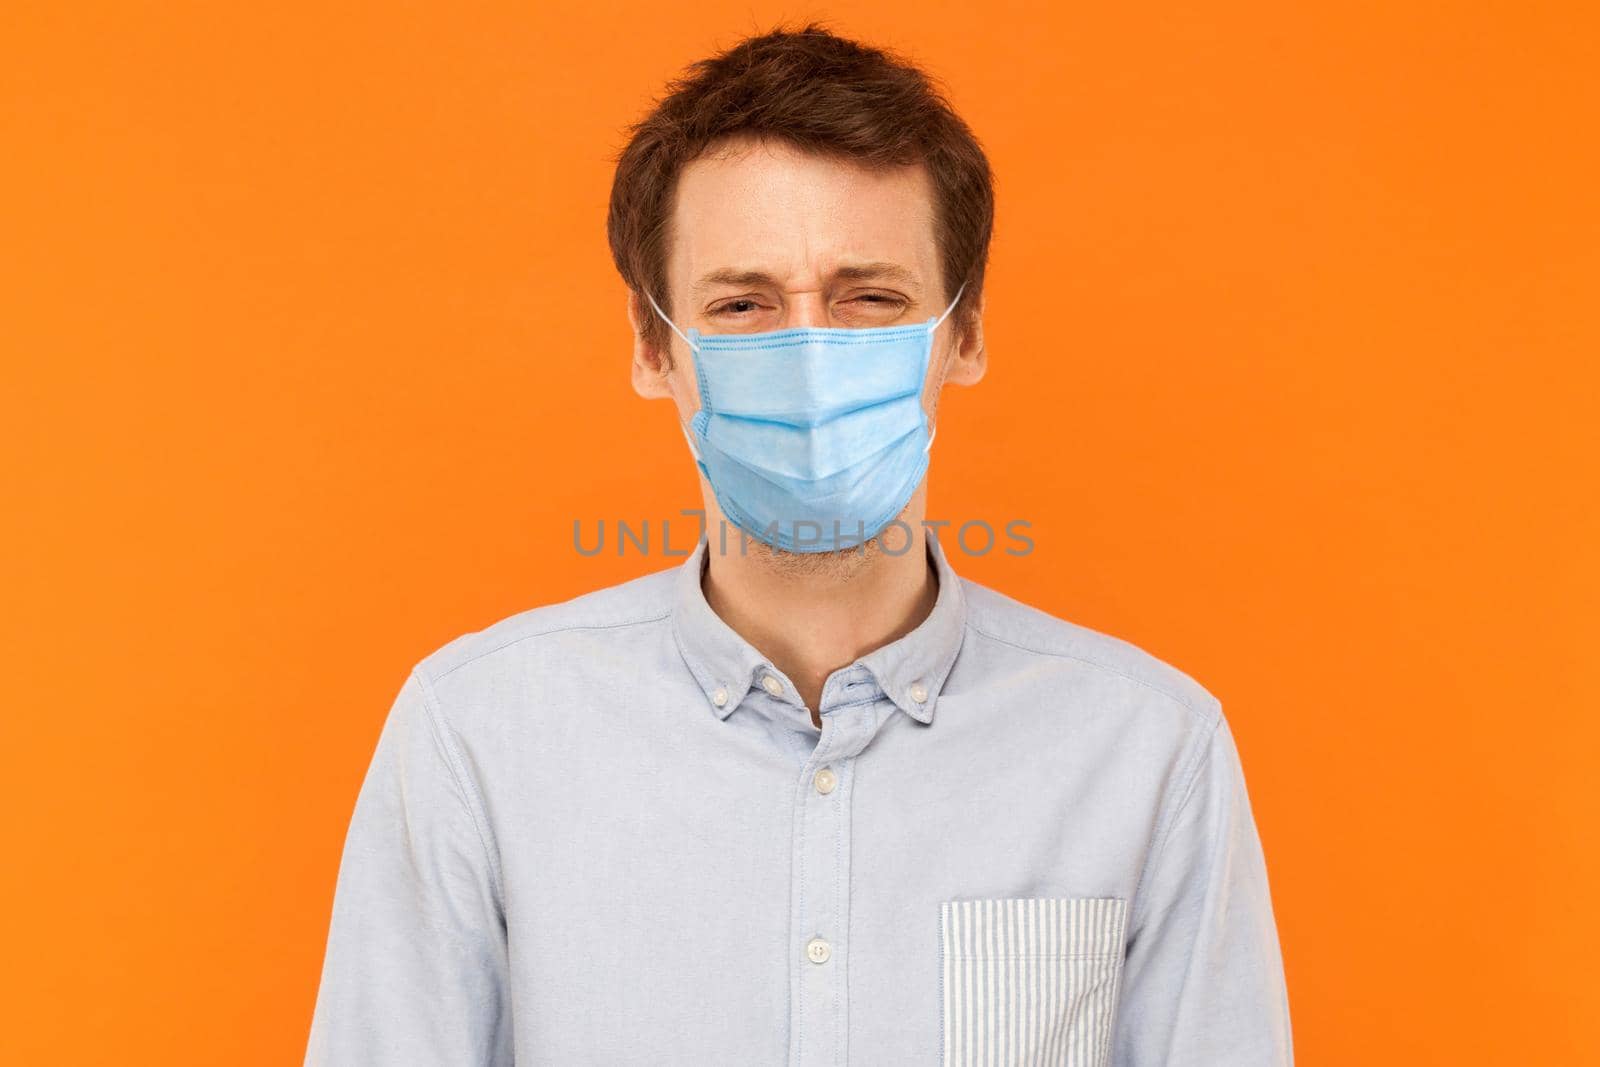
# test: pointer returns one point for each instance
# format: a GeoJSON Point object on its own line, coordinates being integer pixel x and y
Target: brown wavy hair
{"type": "Point", "coordinates": [821, 93]}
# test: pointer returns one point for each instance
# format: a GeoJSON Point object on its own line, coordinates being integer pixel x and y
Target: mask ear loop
{"type": "Point", "coordinates": [957, 299]}
{"type": "Point", "coordinates": [692, 346]}
{"type": "Point", "coordinates": [692, 448]}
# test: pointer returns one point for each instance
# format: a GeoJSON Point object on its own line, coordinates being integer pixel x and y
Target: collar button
{"type": "Point", "coordinates": [919, 692]}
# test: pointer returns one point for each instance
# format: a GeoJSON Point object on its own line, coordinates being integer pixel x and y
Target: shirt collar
{"type": "Point", "coordinates": [910, 670]}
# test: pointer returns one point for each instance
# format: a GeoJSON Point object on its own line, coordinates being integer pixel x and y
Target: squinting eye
{"type": "Point", "coordinates": [732, 306]}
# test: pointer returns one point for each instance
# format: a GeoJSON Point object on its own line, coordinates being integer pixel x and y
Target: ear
{"type": "Point", "coordinates": [651, 365]}
{"type": "Point", "coordinates": [969, 360]}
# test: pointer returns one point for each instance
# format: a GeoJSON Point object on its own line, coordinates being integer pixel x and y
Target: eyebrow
{"type": "Point", "coordinates": [856, 272]}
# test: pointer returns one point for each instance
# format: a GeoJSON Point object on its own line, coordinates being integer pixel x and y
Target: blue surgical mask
{"type": "Point", "coordinates": [813, 438]}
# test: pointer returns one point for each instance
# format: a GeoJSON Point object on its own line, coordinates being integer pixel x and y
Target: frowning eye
{"type": "Point", "coordinates": [856, 309]}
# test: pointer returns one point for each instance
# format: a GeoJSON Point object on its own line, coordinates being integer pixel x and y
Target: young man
{"type": "Point", "coordinates": [809, 798]}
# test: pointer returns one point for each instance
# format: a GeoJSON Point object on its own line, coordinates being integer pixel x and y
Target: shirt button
{"type": "Point", "coordinates": [770, 683]}
{"type": "Point", "coordinates": [817, 950]}
{"type": "Point", "coordinates": [825, 780]}
{"type": "Point", "coordinates": [919, 692]}
{"type": "Point", "coordinates": [720, 697]}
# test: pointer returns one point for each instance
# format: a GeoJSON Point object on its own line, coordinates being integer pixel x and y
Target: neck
{"type": "Point", "coordinates": [813, 615]}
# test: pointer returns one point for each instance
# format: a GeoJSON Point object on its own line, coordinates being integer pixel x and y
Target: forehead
{"type": "Point", "coordinates": [773, 207]}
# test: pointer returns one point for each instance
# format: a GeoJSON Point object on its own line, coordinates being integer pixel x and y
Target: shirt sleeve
{"type": "Point", "coordinates": [416, 967]}
{"type": "Point", "coordinates": [1203, 980]}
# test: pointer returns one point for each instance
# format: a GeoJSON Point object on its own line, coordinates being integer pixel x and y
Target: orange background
{"type": "Point", "coordinates": [314, 352]}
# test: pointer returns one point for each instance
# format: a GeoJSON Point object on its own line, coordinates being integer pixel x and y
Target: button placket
{"type": "Point", "coordinates": [854, 709]}
{"type": "Point", "coordinates": [820, 914]}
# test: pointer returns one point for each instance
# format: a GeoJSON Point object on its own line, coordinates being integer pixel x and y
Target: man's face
{"type": "Point", "coordinates": [765, 236]}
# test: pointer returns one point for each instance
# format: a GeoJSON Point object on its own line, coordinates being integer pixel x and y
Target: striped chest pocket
{"type": "Point", "coordinates": [1030, 980]}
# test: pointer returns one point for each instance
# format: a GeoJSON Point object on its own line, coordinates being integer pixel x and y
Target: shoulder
{"type": "Point", "coordinates": [1017, 630]}
{"type": "Point", "coordinates": [612, 614]}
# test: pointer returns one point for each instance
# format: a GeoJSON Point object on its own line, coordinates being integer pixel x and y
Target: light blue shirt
{"type": "Point", "coordinates": [607, 832]}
